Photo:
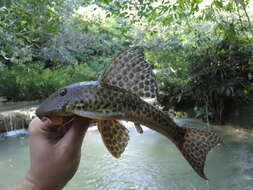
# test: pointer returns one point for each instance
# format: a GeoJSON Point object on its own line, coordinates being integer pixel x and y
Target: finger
{"type": "Point", "coordinates": [35, 126]}
{"type": "Point", "coordinates": [45, 129]}
{"type": "Point", "coordinates": [49, 126]}
{"type": "Point", "coordinates": [74, 136]}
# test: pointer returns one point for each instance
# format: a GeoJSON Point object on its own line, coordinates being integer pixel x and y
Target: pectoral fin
{"type": "Point", "coordinates": [138, 128]}
{"type": "Point", "coordinates": [115, 136]}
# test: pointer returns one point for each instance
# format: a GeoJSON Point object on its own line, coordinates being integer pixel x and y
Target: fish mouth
{"type": "Point", "coordinates": [52, 114]}
{"type": "Point", "coordinates": [56, 117]}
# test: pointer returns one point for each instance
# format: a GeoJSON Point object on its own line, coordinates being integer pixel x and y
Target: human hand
{"type": "Point", "coordinates": [54, 152]}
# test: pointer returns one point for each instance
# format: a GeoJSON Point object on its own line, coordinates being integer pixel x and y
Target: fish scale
{"type": "Point", "coordinates": [117, 96]}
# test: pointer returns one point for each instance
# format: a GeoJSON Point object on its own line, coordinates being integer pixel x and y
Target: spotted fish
{"type": "Point", "coordinates": [117, 95]}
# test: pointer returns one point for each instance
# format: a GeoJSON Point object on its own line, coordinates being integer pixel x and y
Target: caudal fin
{"type": "Point", "coordinates": [195, 146]}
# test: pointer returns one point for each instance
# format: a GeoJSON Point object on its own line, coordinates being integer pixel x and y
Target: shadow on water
{"type": "Point", "coordinates": [150, 162]}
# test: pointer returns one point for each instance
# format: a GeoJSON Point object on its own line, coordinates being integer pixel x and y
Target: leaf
{"type": "Point", "coordinates": [105, 1]}
{"type": "Point", "coordinates": [23, 22]}
{"type": "Point", "coordinates": [218, 3]}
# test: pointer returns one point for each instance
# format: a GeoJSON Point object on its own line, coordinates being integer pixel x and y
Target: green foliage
{"type": "Point", "coordinates": [23, 83]}
{"type": "Point", "coordinates": [172, 93]}
{"type": "Point", "coordinates": [25, 26]}
{"type": "Point", "coordinates": [39, 55]}
{"type": "Point", "coordinates": [219, 76]}
{"type": "Point", "coordinates": [73, 47]}
{"type": "Point", "coordinates": [202, 51]}
{"type": "Point", "coordinates": [178, 11]}
{"type": "Point", "coordinates": [218, 71]}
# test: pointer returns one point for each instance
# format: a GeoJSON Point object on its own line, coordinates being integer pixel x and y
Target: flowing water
{"type": "Point", "coordinates": [150, 162]}
{"type": "Point", "coordinates": [16, 115]}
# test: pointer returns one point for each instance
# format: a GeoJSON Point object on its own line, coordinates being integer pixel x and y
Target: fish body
{"type": "Point", "coordinates": [104, 102]}
{"type": "Point", "coordinates": [116, 97]}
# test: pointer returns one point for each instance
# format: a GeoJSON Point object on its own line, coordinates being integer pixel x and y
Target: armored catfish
{"type": "Point", "coordinates": [117, 95]}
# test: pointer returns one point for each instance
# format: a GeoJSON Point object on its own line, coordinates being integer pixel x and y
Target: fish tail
{"type": "Point", "coordinates": [195, 145]}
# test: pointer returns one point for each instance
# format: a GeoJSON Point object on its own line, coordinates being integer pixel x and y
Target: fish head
{"type": "Point", "coordinates": [61, 102]}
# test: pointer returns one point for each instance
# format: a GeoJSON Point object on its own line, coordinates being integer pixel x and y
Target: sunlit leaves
{"type": "Point", "coordinates": [25, 26]}
{"type": "Point", "coordinates": [172, 11]}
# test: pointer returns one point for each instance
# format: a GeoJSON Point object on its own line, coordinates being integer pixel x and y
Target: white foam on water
{"type": "Point", "coordinates": [15, 133]}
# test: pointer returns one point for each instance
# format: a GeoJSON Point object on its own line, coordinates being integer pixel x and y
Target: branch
{"type": "Point", "coordinates": [247, 16]}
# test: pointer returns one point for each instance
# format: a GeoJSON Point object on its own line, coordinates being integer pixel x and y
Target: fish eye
{"type": "Point", "coordinates": [63, 92]}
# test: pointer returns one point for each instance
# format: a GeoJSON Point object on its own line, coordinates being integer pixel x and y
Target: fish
{"type": "Point", "coordinates": [119, 94]}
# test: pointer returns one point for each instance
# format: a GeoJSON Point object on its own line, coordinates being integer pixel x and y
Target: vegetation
{"type": "Point", "coordinates": [42, 50]}
{"type": "Point", "coordinates": [202, 50]}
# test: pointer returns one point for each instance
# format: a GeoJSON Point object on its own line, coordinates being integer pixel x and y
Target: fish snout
{"type": "Point", "coordinates": [39, 113]}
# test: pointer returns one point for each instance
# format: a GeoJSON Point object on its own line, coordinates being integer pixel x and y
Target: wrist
{"type": "Point", "coordinates": [23, 185]}
{"type": "Point", "coordinates": [38, 184]}
{"type": "Point", "coordinates": [27, 184]}
{"type": "Point", "coordinates": [31, 183]}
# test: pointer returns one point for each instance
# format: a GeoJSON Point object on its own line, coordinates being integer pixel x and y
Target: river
{"type": "Point", "coordinates": [150, 162]}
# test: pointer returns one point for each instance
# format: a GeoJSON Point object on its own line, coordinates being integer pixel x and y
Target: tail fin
{"type": "Point", "coordinates": [195, 146]}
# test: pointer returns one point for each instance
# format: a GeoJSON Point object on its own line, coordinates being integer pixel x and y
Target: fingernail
{"type": "Point", "coordinates": [44, 119]}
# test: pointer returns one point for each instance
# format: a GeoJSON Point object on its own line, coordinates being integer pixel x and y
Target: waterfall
{"type": "Point", "coordinates": [13, 122]}
{"type": "Point", "coordinates": [16, 119]}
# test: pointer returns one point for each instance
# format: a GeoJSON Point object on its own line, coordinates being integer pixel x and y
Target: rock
{"type": "Point", "coordinates": [2, 99]}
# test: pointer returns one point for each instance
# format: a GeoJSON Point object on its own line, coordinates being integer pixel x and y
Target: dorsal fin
{"type": "Point", "coordinates": [130, 70]}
